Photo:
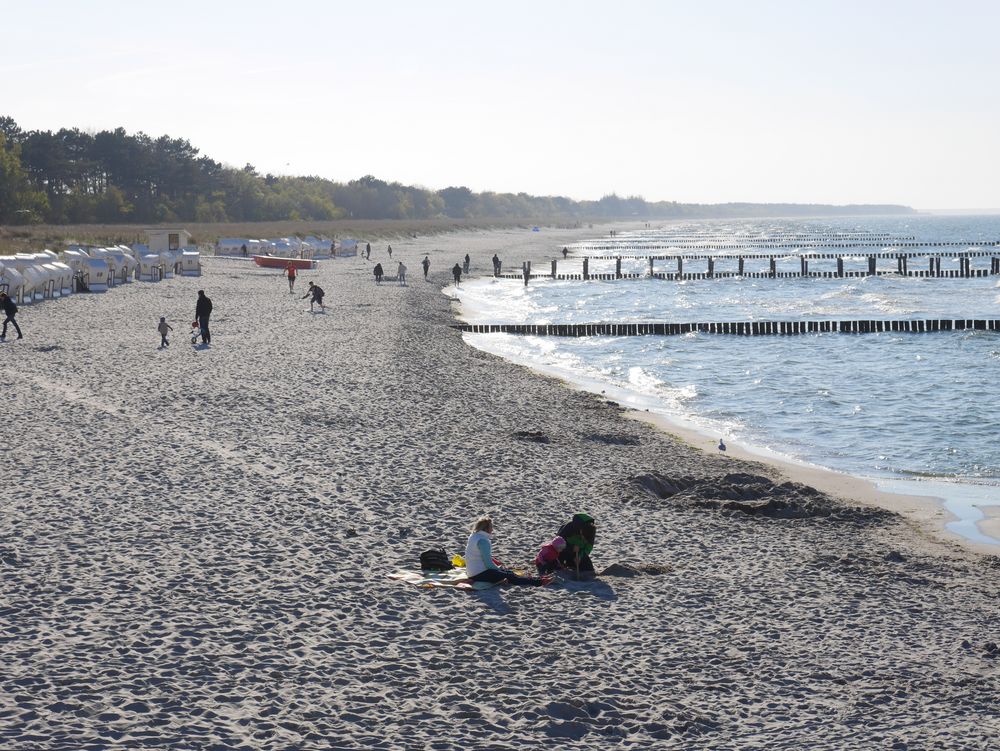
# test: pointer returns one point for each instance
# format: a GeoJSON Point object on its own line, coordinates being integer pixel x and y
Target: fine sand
{"type": "Point", "coordinates": [195, 545]}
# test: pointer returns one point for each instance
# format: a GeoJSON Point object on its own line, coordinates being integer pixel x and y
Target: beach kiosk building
{"type": "Point", "coordinates": [167, 240]}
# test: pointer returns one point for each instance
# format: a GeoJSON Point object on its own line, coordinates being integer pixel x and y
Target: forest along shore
{"type": "Point", "coordinates": [196, 545]}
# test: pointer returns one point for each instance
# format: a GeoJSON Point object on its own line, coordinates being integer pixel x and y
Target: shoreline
{"type": "Point", "coordinates": [929, 513]}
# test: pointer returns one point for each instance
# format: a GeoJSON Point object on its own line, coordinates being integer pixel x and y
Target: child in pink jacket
{"type": "Point", "coordinates": [547, 559]}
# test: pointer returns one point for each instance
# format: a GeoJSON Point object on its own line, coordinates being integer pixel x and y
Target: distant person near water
{"type": "Point", "coordinates": [401, 274]}
{"type": "Point", "coordinates": [565, 253]}
{"type": "Point", "coordinates": [390, 251]}
{"type": "Point", "coordinates": [9, 308]}
{"type": "Point", "coordinates": [465, 264]}
{"type": "Point", "coordinates": [426, 263]}
{"type": "Point", "coordinates": [368, 251]}
{"type": "Point", "coordinates": [202, 312]}
{"type": "Point", "coordinates": [163, 327]}
{"type": "Point", "coordinates": [479, 563]}
{"type": "Point", "coordinates": [496, 265]}
{"type": "Point", "coordinates": [456, 271]}
{"type": "Point", "coordinates": [290, 272]}
{"type": "Point", "coordinates": [377, 271]}
{"type": "Point", "coordinates": [243, 249]}
{"type": "Point", "coordinates": [315, 294]}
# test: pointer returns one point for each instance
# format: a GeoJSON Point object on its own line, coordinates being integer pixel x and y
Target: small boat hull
{"type": "Point", "coordinates": [277, 262]}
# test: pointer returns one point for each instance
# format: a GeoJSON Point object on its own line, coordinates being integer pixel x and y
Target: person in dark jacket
{"type": "Point", "coordinates": [456, 271]}
{"type": "Point", "coordinates": [315, 294]}
{"type": "Point", "coordinates": [496, 265]}
{"type": "Point", "coordinates": [9, 308]}
{"type": "Point", "coordinates": [426, 263]}
{"type": "Point", "coordinates": [377, 271]}
{"type": "Point", "coordinates": [202, 312]}
{"type": "Point", "coordinates": [579, 535]}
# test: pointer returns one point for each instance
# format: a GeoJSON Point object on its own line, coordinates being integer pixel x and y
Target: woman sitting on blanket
{"type": "Point", "coordinates": [479, 564]}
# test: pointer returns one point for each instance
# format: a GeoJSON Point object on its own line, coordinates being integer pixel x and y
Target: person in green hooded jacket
{"type": "Point", "coordinates": [579, 535]}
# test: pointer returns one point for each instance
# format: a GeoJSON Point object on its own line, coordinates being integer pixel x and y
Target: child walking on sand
{"type": "Point", "coordinates": [163, 328]}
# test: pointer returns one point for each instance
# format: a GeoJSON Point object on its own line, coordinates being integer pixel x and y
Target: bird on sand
{"type": "Point", "coordinates": [722, 446]}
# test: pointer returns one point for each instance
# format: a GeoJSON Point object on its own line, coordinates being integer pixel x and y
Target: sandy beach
{"type": "Point", "coordinates": [196, 545]}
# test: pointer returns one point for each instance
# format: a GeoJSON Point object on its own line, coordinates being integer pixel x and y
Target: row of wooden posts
{"type": "Point", "coordinates": [790, 245]}
{"type": "Point", "coordinates": [737, 328]}
{"type": "Point", "coordinates": [777, 237]}
{"type": "Point", "coordinates": [964, 271]}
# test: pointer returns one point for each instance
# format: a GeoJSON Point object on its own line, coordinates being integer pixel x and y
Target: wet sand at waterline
{"type": "Point", "coordinates": [195, 545]}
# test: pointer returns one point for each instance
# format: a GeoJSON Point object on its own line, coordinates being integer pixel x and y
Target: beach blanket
{"type": "Point", "coordinates": [453, 578]}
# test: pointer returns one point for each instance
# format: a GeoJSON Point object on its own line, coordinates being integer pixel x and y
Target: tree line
{"type": "Point", "coordinates": [74, 177]}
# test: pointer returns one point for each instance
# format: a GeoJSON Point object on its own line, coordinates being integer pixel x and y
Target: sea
{"type": "Point", "coordinates": [917, 414]}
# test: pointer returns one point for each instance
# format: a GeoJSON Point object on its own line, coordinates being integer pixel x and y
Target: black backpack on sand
{"type": "Point", "coordinates": [435, 559]}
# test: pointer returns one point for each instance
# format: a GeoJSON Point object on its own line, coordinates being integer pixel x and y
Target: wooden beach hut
{"type": "Point", "coordinates": [161, 239]}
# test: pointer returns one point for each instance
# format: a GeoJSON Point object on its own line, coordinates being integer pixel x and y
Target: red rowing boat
{"type": "Point", "coordinates": [277, 262]}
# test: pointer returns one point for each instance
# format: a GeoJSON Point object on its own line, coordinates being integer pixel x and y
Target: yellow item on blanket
{"type": "Point", "coordinates": [457, 561]}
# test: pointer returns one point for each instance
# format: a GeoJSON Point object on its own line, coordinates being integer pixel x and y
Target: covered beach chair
{"type": "Point", "coordinates": [190, 263]}
{"type": "Point", "coordinates": [13, 283]}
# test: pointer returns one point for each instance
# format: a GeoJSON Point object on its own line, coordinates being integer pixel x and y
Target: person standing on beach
{"type": "Point", "coordinates": [202, 312]}
{"type": "Point", "coordinates": [479, 565]}
{"type": "Point", "coordinates": [456, 271]}
{"type": "Point", "coordinates": [465, 264]}
{"type": "Point", "coordinates": [401, 274]}
{"type": "Point", "coordinates": [496, 265]}
{"type": "Point", "coordinates": [9, 308]}
{"type": "Point", "coordinates": [290, 272]}
{"type": "Point", "coordinates": [377, 271]}
{"type": "Point", "coordinates": [426, 263]}
{"type": "Point", "coordinates": [565, 253]}
{"type": "Point", "coordinates": [390, 251]}
{"type": "Point", "coordinates": [243, 249]}
{"type": "Point", "coordinates": [368, 251]}
{"type": "Point", "coordinates": [163, 328]}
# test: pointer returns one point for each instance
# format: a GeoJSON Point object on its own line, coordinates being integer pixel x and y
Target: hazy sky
{"type": "Point", "coordinates": [829, 102]}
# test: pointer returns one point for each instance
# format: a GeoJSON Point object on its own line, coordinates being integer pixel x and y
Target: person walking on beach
{"type": "Point", "coordinates": [565, 253]}
{"type": "Point", "coordinates": [401, 274]}
{"type": "Point", "coordinates": [9, 308]}
{"type": "Point", "coordinates": [368, 251]}
{"type": "Point", "coordinates": [163, 328]}
{"type": "Point", "coordinates": [290, 272]}
{"type": "Point", "coordinates": [496, 265]}
{"type": "Point", "coordinates": [465, 264]}
{"type": "Point", "coordinates": [202, 312]}
{"type": "Point", "coordinates": [390, 251]}
{"type": "Point", "coordinates": [426, 263]}
{"type": "Point", "coordinates": [377, 271]}
{"type": "Point", "coordinates": [456, 271]}
{"type": "Point", "coordinates": [315, 294]}
{"type": "Point", "coordinates": [479, 565]}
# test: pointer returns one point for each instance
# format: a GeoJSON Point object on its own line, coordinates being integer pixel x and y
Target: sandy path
{"type": "Point", "coordinates": [178, 570]}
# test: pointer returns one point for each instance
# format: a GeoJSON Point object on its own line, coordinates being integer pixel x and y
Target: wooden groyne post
{"type": "Point", "coordinates": [735, 328]}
